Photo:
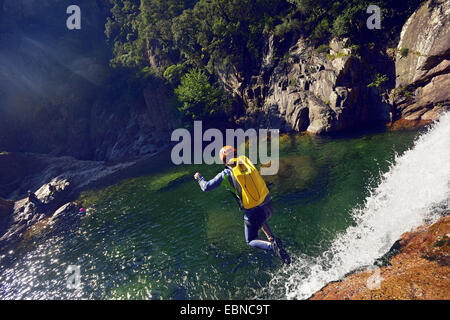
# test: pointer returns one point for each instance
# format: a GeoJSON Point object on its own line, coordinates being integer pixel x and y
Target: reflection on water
{"type": "Point", "coordinates": [157, 236]}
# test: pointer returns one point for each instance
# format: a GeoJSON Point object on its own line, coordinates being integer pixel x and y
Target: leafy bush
{"type": "Point", "coordinates": [200, 99]}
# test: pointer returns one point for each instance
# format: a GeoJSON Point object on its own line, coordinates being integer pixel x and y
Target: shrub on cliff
{"type": "Point", "coordinates": [404, 52]}
{"type": "Point", "coordinates": [199, 98]}
{"type": "Point", "coordinates": [378, 81]}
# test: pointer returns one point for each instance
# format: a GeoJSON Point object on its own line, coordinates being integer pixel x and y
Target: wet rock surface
{"type": "Point", "coordinates": [419, 268]}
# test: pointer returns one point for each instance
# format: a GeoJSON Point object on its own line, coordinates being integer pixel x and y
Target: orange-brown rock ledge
{"type": "Point", "coordinates": [421, 270]}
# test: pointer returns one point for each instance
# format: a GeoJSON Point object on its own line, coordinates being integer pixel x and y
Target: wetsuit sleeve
{"type": "Point", "coordinates": [213, 183]}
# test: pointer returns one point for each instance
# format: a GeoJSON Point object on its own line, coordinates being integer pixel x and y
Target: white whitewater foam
{"type": "Point", "coordinates": [415, 187]}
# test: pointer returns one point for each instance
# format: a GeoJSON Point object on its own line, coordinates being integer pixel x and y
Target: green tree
{"type": "Point", "coordinates": [218, 33]}
{"type": "Point", "coordinates": [200, 99]}
{"type": "Point", "coordinates": [185, 30]}
{"type": "Point", "coordinates": [122, 30]}
{"type": "Point", "coordinates": [141, 32]}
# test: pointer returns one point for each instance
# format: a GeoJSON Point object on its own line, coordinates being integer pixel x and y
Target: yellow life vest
{"type": "Point", "coordinates": [254, 189]}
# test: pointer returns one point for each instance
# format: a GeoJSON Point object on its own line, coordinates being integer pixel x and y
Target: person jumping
{"type": "Point", "coordinates": [251, 192]}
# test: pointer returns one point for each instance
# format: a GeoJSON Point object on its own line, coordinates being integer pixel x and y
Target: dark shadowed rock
{"type": "Point", "coordinates": [58, 93]}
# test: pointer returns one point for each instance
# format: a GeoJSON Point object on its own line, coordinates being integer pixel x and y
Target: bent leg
{"type": "Point", "coordinates": [251, 237]}
{"type": "Point", "coordinates": [267, 231]}
{"type": "Point", "coordinates": [261, 244]}
{"type": "Point", "coordinates": [267, 210]}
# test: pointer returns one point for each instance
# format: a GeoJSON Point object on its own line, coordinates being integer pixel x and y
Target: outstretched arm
{"type": "Point", "coordinates": [211, 184]}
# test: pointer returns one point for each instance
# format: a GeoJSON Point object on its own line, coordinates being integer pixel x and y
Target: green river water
{"type": "Point", "coordinates": [157, 236]}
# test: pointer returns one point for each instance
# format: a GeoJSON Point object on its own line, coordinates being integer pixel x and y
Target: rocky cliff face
{"type": "Point", "coordinates": [418, 268]}
{"type": "Point", "coordinates": [328, 92]}
{"type": "Point", "coordinates": [143, 128]}
{"type": "Point", "coordinates": [310, 91]}
{"type": "Point", "coordinates": [422, 63]}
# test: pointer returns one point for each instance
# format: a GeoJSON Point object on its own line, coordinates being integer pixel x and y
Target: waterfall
{"type": "Point", "coordinates": [415, 188]}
